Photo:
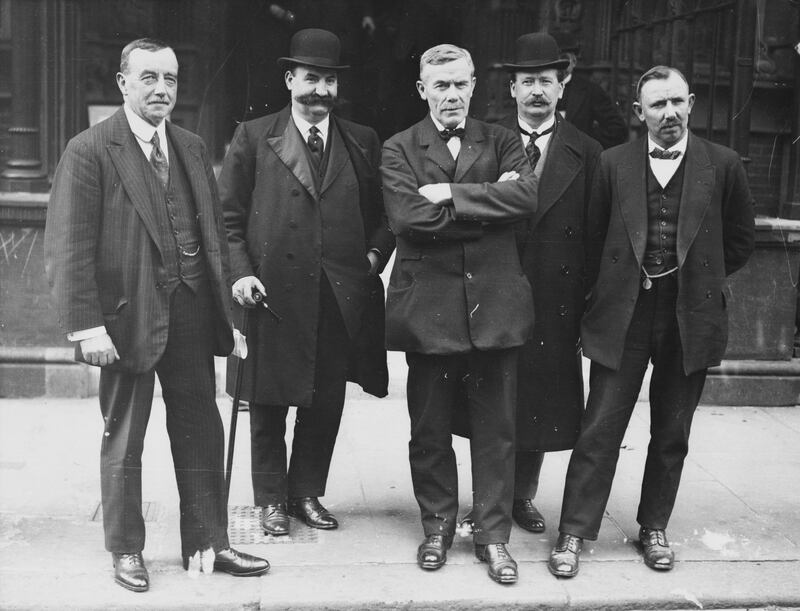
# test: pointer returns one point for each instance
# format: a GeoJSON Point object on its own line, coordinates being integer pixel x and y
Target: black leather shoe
{"type": "Point", "coordinates": [565, 556]}
{"type": "Point", "coordinates": [239, 564]}
{"type": "Point", "coordinates": [502, 567]}
{"type": "Point", "coordinates": [527, 516]}
{"type": "Point", "coordinates": [311, 511]}
{"type": "Point", "coordinates": [130, 572]}
{"type": "Point", "coordinates": [657, 553]}
{"type": "Point", "coordinates": [432, 552]}
{"type": "Point", "coordinates": [466, 525]}
{"type": "Point", "coordinates": [275, 520]}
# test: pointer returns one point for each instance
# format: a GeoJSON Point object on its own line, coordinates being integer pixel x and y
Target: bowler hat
{"type": "Point", "coordinates": [536, 51]}
{"type": "Point", "coordinates": [313, 47]}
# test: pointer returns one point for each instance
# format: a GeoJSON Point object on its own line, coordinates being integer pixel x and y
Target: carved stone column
{"type": "Point", "coordinates": [24, 170]}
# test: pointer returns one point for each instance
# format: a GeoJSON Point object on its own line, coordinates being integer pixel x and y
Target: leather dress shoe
{"type": "Point", "coordinates": [130, 572]}
{"type": "Point", "coordinates": [432, 552]}
{"type": "Point", "coordinates": [502, 567]}
{"type": "Point", "coordinates": [275, 520]}
{"type": "Point", "coordinates": [311, 511]}
{"type": "Point", "coordinates": [527, 516]}
{"type": "Point", "coordinates": [466, 525]}
{"type": "Point", "coordinates": [565, 556]}
{"type": "Point", "coordinates": [657, 553]}
{"type": "Point", "coordinates": [239, 564]}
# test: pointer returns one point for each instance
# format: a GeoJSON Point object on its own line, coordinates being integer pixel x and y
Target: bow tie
{"type": "Point", "coordinates": [451, 132]}
{"type": "Point", "coordinates": [658, 153]}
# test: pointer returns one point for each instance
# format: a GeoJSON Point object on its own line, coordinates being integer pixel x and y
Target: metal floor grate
{"type": "Point", "coordinates": [244, 528]}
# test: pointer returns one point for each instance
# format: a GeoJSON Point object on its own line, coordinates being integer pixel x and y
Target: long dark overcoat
{"type": "Point", "coordinates": [109, 254]}
{"type": "Point", "coordinates": [551, 247]}
{"type": "Point", "coordinates": [271, 207]}
{"type": "Point", "coordinates": [716, 236]}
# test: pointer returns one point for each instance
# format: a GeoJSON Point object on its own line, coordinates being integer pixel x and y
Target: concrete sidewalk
{"type": "Point", "coordinates": [735, 528]}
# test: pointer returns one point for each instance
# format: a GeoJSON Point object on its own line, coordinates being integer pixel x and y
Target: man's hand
{"type": "Point", "coordinates": [99, 350]}
{"type": "Point", "coordinates": [437, 192]}
{"type": "Point", "coordinates": [244, 288]}
{"type": "Point", "coordinates": [512, 175]}
{"type": "Point", "coordinates": [374, 262]}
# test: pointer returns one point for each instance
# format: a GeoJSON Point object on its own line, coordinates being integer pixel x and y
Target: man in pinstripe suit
{"type": "Point", "coordinates": [137, 256]}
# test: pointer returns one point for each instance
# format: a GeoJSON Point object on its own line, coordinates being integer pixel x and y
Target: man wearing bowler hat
{"type": "Point", "coordinates": [550, 384]}
{"type": "Point", "coordinates": [307, 232]}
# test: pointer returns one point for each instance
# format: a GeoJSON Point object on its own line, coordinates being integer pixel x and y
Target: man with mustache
{"type": "Point", "coordinates": [307, 232]}
{"type": "Point", "coordinates": [670, 217]}
{"type": "Point", "coordinates": [458, 303]}
{"type": "Point", "coordinates": [137, 255]}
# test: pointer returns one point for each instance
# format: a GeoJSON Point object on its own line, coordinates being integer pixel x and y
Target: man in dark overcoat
{"type": "Point", "coordinates": [136, 252]}
{"type": "Point", "coordinates": [670, 217]}
{"type": "Point", "coordinates": [550, 391]}
{"type": "Point", "coordinates": [458, 303]}
{"type": "Point", "coordinates": [307, 230]}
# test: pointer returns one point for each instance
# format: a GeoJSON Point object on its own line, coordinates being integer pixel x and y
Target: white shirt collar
{"type": "Point", "coordinates": [303, 126]}
{"type": "Point", "coordinates": [543, 127]}
{"type": "Point", "coordinates": [440, 127]}
{"type": "Point", "coordinates": [680, 145]}
{"type": "Point", "coordinates": [144, 130]}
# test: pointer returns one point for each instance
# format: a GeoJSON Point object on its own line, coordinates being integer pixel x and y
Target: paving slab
{"type": "Point", "coordinates": [734, 527]}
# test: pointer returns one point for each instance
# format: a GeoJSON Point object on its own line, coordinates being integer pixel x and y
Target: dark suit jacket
{"type": "Point", "coordinates": [590, 109]}
{"type": "Point", "coordinates": [271, 205]}
{"type": "Point", "coordinates": [551, 247]}
{"type": "Point", "coordinates": [104, 250]}
{"type": "Point", "coordinates": [716, 236]}
{"type": "Point", "coordinates": [457, 284]}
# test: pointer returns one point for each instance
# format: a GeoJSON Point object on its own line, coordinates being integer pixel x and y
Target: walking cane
{"type": "Point", "coordinates": [237, 393]}
{"type": "Point", "coordinates": [237, 388]}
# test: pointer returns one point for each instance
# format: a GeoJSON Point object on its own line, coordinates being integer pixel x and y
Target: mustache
{"type": "Point", "coordinates": [314, 99]}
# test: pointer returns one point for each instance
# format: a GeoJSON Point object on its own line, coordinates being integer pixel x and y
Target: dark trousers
{"type": "Point", "coordinates": [186, 373]}
{"type": "Point", "coordinates": [527, 467]}
{"type": "Point", "coordinates": [316, 426]}
{"type": "Point", "coordinates": [437, 385]}
{"type": "Point", "coordinates": [653, 335]}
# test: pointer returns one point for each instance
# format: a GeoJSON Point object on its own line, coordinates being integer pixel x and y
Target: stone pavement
{"type": "Point", "coordinates": [735, 527]}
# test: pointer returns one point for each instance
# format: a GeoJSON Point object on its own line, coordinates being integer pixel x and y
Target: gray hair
{"type": "Point", "coordinates": [146, 44]}
{"type": "Point", "coordinates": [443, 54]}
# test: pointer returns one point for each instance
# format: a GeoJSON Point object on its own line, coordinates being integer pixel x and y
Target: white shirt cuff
{"type": "Point", "coordinates": [79, 336]}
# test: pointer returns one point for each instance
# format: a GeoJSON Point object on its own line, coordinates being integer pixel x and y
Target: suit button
{"type": "Point", "coordinates": [569, 231]}
{"type": "Point", "coordinates": [705, 262]}
{"type": "Point", "coordinates": [295, 192]}
{"type": "Point", "coordinates": [468, 275]}
{"type": "Point", "coordinates": [565, 270]}
{"type": "Point", "coordinates": [562, 310]}
{"type": "Point", "coordinates": [614, 259]}
{"type": "Point", "coordinates": [708, 294]}
{"type": "Point", "coordinates": [289, 256]}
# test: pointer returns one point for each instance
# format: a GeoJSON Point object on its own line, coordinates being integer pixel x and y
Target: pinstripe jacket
{"type": "Point", "coordinates": [104, 249]}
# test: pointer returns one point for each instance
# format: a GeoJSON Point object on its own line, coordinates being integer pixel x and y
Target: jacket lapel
{"type": "Point", "coordinates": [289, 146]}
{"type": "Point", "coordinates": [632, 187]}
{"type": "Point", "coordinates": [126, 155]}
{"type": "Point", "coordinates": [190, 155]}
{"type": "Point", "coordinates": [337, 156]}
{"type": "Point", "coordinates": [471, 146]}
{"type": "Point", "coordinates": [437, 150]}
{"type": "Point", "coordinates": [696, 194]}
{"type": "Point", "coordinates": [561, 165]}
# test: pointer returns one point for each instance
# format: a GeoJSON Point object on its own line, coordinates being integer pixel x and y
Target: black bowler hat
{"type": "Point", "coordinates": [536, 51]}
{"type": "Point", "coordinates": [315, 48]}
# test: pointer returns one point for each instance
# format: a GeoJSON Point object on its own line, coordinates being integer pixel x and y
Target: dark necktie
{"type": "Point", "coordinates": [159, 161]}
{"type": "Point", "coordinates": [658, 153]}
{"type": "Point", "coordinates": [315, 144]}
{"type": "Point", "coordinates": [531, 150]}
{"type": "Point", "coordinates": [451, 132]}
